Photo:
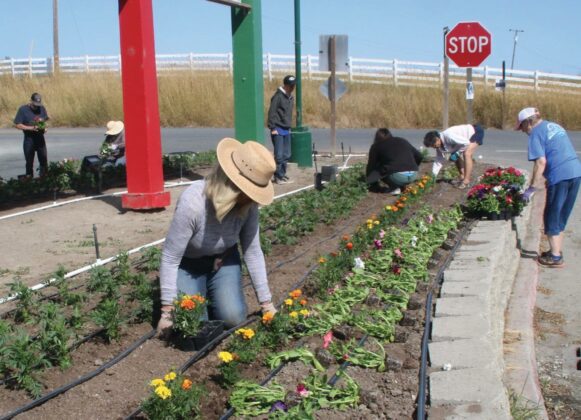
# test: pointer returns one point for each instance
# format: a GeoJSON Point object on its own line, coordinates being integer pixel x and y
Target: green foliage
{"type": "Point", "coordinates": [107, 315]}
{"type": "Point", "coordinates": [65, 295]}
{"type": "Point", "coordinates": [249, 399]}
{"type": "Point", "coordinates": [143, 292]}
{"type": "Point", "coordinates": [151, 259]}
{"type": "Point", "coordinates": [26, 301]}
{"type": "Point", "coordinates": [102, 280]}
{"type": "Point", "coordinates": [122, 270]}
{"type": "Point", "coordinates": [302, 354]}
{"type": "Point", "coordinates": [173, 397]}
{"type": "Point", "coordinates": [359, 356]}
{"type": "Point", "coordinates": [54, 335]}
{"type": "Point", "coordinates": [188, 314]}
{"type": "Point", "coordinates": [20, 359]}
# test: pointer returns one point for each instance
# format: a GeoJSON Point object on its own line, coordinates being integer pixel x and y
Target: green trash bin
{"type": "Point", "coordinates": [301, 147]}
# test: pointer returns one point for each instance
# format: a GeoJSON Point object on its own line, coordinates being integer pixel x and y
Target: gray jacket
{"type": "Point", "coordinates": [280, 113]}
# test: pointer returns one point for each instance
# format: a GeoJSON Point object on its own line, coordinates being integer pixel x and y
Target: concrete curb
{"type": "Point", "coordinates": [521, 373]}
{"type": "Point", "coordinates": [468, 331]}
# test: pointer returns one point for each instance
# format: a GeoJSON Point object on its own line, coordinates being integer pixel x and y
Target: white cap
{"type": "Point", "coordinates": [524, 114]}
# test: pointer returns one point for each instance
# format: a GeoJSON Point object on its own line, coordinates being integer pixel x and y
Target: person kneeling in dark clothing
{"type": "Point", "coordinates": [392, 160]}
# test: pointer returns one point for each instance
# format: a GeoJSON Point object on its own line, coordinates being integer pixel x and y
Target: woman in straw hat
{"type": "Point", "coordinates": [113, 148]}
{"type": "Point", "coordinates": [200, 254]}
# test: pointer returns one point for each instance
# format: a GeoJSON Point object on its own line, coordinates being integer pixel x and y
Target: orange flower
{"type": "Point", "coordinates": [198, 298]}
{"type": "Point", "coordinates": [188, 304]}
{"type": "Point", "coordinates": [421, 185]}
{"type": "Point", "coordinates": [394, 208]}
{"type": "Point", "coordinates": [349, 246]}
{"type": "Point", "coordinates": [267, 318]}
{"type": "Point", "coordinates": [401, 205]}
{"type": "Point", "coordinates": [186, 384]}
{"type": "Point", "coordinates": [403, 198]}
{"type": "Point", "coordinates": [303, 302]}
{"type": "Point", "coordinates": [322, 260]}
{"type": "Point", "coordinates": [295, 294]}
{"type": "Point", "coordinates": [345, 237]}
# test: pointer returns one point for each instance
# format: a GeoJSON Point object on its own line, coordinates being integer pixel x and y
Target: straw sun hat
{"type": "Point", "coordinates": [249, 166]}
{"type": "Point", "coordinates": [114, 127]}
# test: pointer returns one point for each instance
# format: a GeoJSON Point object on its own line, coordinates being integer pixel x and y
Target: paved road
{"type": "Point", "coordinates": [503, 147]}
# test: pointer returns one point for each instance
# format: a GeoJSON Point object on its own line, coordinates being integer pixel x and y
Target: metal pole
{"type": "Point", "coordinates": [96, 242]}
{"type": "Point", "coordinates": [332, 97]}
{"type": "Point", "coordinates": [298, 64]}
{"type": "Point", "coordinates": [516, 31]}
{"type": "Point", "coordinates": [55, 35]}
{"type": "Point", "coordinates": [469, 101]}
{"type": "Point", "coordinates": [445, 110]}
{"type": "Point", "coordinates": [503, 93]}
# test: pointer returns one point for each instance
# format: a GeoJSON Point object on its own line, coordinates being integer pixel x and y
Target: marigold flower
{"type": "Point", "coordinates": [345, 237]}
{"type": "Point", "coordinates": [293, 314]}
{"type": "Point", "coordinates": [394, 208]}
{"type": "Point", "coordinates": [376, 222]}
{"type": "Point", "coordinates": [163, 392]}
{"type": "Point", "coordinates": [295, 294]}
{"type": "Point", "coordinates": [349, 245]}
{"type": "Point", "coordinates": [288, 302]}
{"type": "Point", "coordinates": [157, 382]}
{"type": "Point", "coordinates": [401, 205]}
{"type": "Point", "coordinates": [225, 356]}
{"type": "Point", "coordinates": [198, 298]}
{"type": "Point", "coordinates": [188, 304]}
{"type": "Point", "coordinates": [267, 318]}
{"type": "Point", "coordinates": [247, 333]}
{"type": "Point", "coordinates": [170, 376]}
{"type": "Point", "coordinates": [304, 312]}
{"type": "Point", "coordinates": [322, 260]}
{"type": "Point", "coordinates": [403, 198]}
{"type": "Point", "coordinates": [369, 221]}
{"type": "Point", "coordinates": [303, 302]}
{"type": "Point", "coordinates": [186, 384]}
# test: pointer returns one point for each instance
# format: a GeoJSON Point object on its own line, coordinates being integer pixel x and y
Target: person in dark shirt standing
{"type": "Point", "coordinates": [279, 122]}
{"type": "Point", "coordinates": [392, 160]}
{"type": "Point", "coordinates": [31, 119]}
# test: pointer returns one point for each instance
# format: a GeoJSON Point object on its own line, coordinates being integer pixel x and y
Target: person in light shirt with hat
{"type": "Point", "coordinates": [113, 147]}
{"type": "Point", "coordinates": [200, 255]}
{"type": "Point", "coordinates": [555, 159]}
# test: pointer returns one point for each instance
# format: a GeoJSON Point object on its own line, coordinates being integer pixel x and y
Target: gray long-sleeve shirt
{"type": "Point", "coordinates": [195, 232]}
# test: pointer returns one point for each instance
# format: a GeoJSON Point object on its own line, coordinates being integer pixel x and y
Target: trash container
{"type": "Point", "coordinates": [301, 147]}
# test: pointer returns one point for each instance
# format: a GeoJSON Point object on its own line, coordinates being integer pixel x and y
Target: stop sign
{"type": "Point", "coordinates": [468, 44]}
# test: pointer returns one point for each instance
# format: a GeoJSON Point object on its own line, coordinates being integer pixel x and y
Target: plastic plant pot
{"type": "Point", "coordinates": [209, 331]}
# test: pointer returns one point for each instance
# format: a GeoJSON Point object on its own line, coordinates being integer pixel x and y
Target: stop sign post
{"type": "Point", "coordinates": [468, 44]}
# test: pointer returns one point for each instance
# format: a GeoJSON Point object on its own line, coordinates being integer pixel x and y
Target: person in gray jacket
{"type": "Point", "coordinates": [200, 254]}
{"type": "Point", "coordinates": [279, 122]}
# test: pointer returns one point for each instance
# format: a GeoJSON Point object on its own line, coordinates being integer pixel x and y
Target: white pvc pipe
{"type": "Point", "coordinates": [100, 262]}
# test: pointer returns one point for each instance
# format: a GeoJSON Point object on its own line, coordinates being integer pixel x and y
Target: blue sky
{"type": "Point", "coordinates": [386, 29]}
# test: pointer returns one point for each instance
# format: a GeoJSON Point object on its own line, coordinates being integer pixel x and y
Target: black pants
{"type": "Point", "coordinates": [32, 146]}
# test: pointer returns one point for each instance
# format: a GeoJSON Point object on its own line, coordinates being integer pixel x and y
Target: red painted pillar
{"type": "Point", "coordinates": [140, 108]}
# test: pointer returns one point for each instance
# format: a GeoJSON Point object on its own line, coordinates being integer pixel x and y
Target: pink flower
{"type": "Point", "coordinates": [302, 390]}
{"type": "Point", "coordinates": [327, 338]}
{"type": "Point", "coordinates": [378, 244]}
{"type": "Point", "coordinates": [430, 219]}
{"type": "Point", "coordinates": [381, 234]}
{"type": "Point", "coordinates": [398, 253]}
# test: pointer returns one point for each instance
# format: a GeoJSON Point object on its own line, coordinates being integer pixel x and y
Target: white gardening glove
{"type": "Point", "coordinates": [268, 307]}
{"type": "Point", "coordinates": [165, 324]}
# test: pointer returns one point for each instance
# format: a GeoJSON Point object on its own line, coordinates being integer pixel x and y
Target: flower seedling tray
{"type": "Point", "coordinates": [209, 331]}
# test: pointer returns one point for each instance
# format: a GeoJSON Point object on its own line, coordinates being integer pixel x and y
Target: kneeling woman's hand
{"type": "Point", "coordinates": [165, 324]}
{"type": "Point", "coordinates": [267, 307]}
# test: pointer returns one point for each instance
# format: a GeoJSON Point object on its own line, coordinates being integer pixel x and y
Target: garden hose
{"type": "Point", "coordinates": [85, 378]}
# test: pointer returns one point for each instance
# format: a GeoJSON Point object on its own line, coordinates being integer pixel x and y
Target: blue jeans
{"type": "Point", "coordinates": [31, 147]}
{"type": "Point", "coordinates": [401, 179]}
{"type": "Point", "coordinates": [282, 153]}
{"type": "Point", "coordinates": [560, 201]}
{"type": "Point", "coordinates": [222, 288]}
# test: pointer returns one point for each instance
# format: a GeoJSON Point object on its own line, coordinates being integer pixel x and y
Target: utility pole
{"type": "Point", "coordinates": [55, 35]}
{"type": "Point", "coordinates": [516, 31]}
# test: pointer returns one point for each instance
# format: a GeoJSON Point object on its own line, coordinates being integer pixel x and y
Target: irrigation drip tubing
{"type": "Point", "coordinates": [82, 379]}
{"type": "Point", "coordinates": [346, 363]}
{"type": "Point", "coordinates": [423, 377]}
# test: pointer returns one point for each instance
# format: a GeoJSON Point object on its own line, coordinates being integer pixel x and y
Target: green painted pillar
{"type": "Point", "coordinates": [248, 82]}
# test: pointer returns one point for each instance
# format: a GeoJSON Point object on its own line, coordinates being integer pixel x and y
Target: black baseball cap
{"type": "Point", "coordinates": [36, 98]}
{"type": "Point", "coordinates": [289, 80]}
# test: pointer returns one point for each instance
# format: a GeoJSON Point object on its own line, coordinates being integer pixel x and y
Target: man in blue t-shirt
{"type": "Point", "coordinates": [31, 119]}
{"type": "Point", "coordinates": [555, 159]}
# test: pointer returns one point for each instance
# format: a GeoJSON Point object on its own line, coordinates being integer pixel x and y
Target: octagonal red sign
{"type": "Point", "coordinates": [468, 44]}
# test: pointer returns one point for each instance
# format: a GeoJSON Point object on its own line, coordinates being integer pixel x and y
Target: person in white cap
{"type": "Point", "coordinates": [200, 255]}
{"type": "Point", "coordinates": [555, 159]}
{"type": "Point", "coordinates": [113, 147]}
{"type": "Point", "coordinates": [457, 143]}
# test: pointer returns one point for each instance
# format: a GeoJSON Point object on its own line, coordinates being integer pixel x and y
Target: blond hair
{"type": "Point", "coordinates": [223, 194]}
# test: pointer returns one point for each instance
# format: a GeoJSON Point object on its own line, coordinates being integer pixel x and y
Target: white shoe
{"type": "Point", "coordinates": [397, 191]}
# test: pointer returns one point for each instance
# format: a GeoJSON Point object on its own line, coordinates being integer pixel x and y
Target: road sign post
{"type": "Point", "coordinates": [468, 44]}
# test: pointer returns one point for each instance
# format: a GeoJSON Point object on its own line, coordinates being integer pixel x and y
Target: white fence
{"type": "Point", "coordinates": [395, 72]}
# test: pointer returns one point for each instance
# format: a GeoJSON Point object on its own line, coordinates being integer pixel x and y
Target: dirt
{"type": "Point", "coordinates": [35, 244]}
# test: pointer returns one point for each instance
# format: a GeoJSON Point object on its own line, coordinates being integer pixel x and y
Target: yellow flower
{"type": "Point", "coordinates": [294, 314]}
{"type": "Point", "coordinates": [369, 221]}
{"type": "Point", "coordinates": [225, 356]}
{"type": "Point", "coordinates": [163, 392]}
{"type": "Point", "coordinates": [170, 376]}
{"type": "Point", "coordinates": [288, 302]}
{"type": "Point", "coordinates": [304, 312]}
{"type": "Point", "coordinates": [247, 333]}
{"type": "Point", "coordinates": [322, 260]}
{"type": "Point", "coordinates": [156, 382]}
{"type": "Point", "coordinates": [376, 222]}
